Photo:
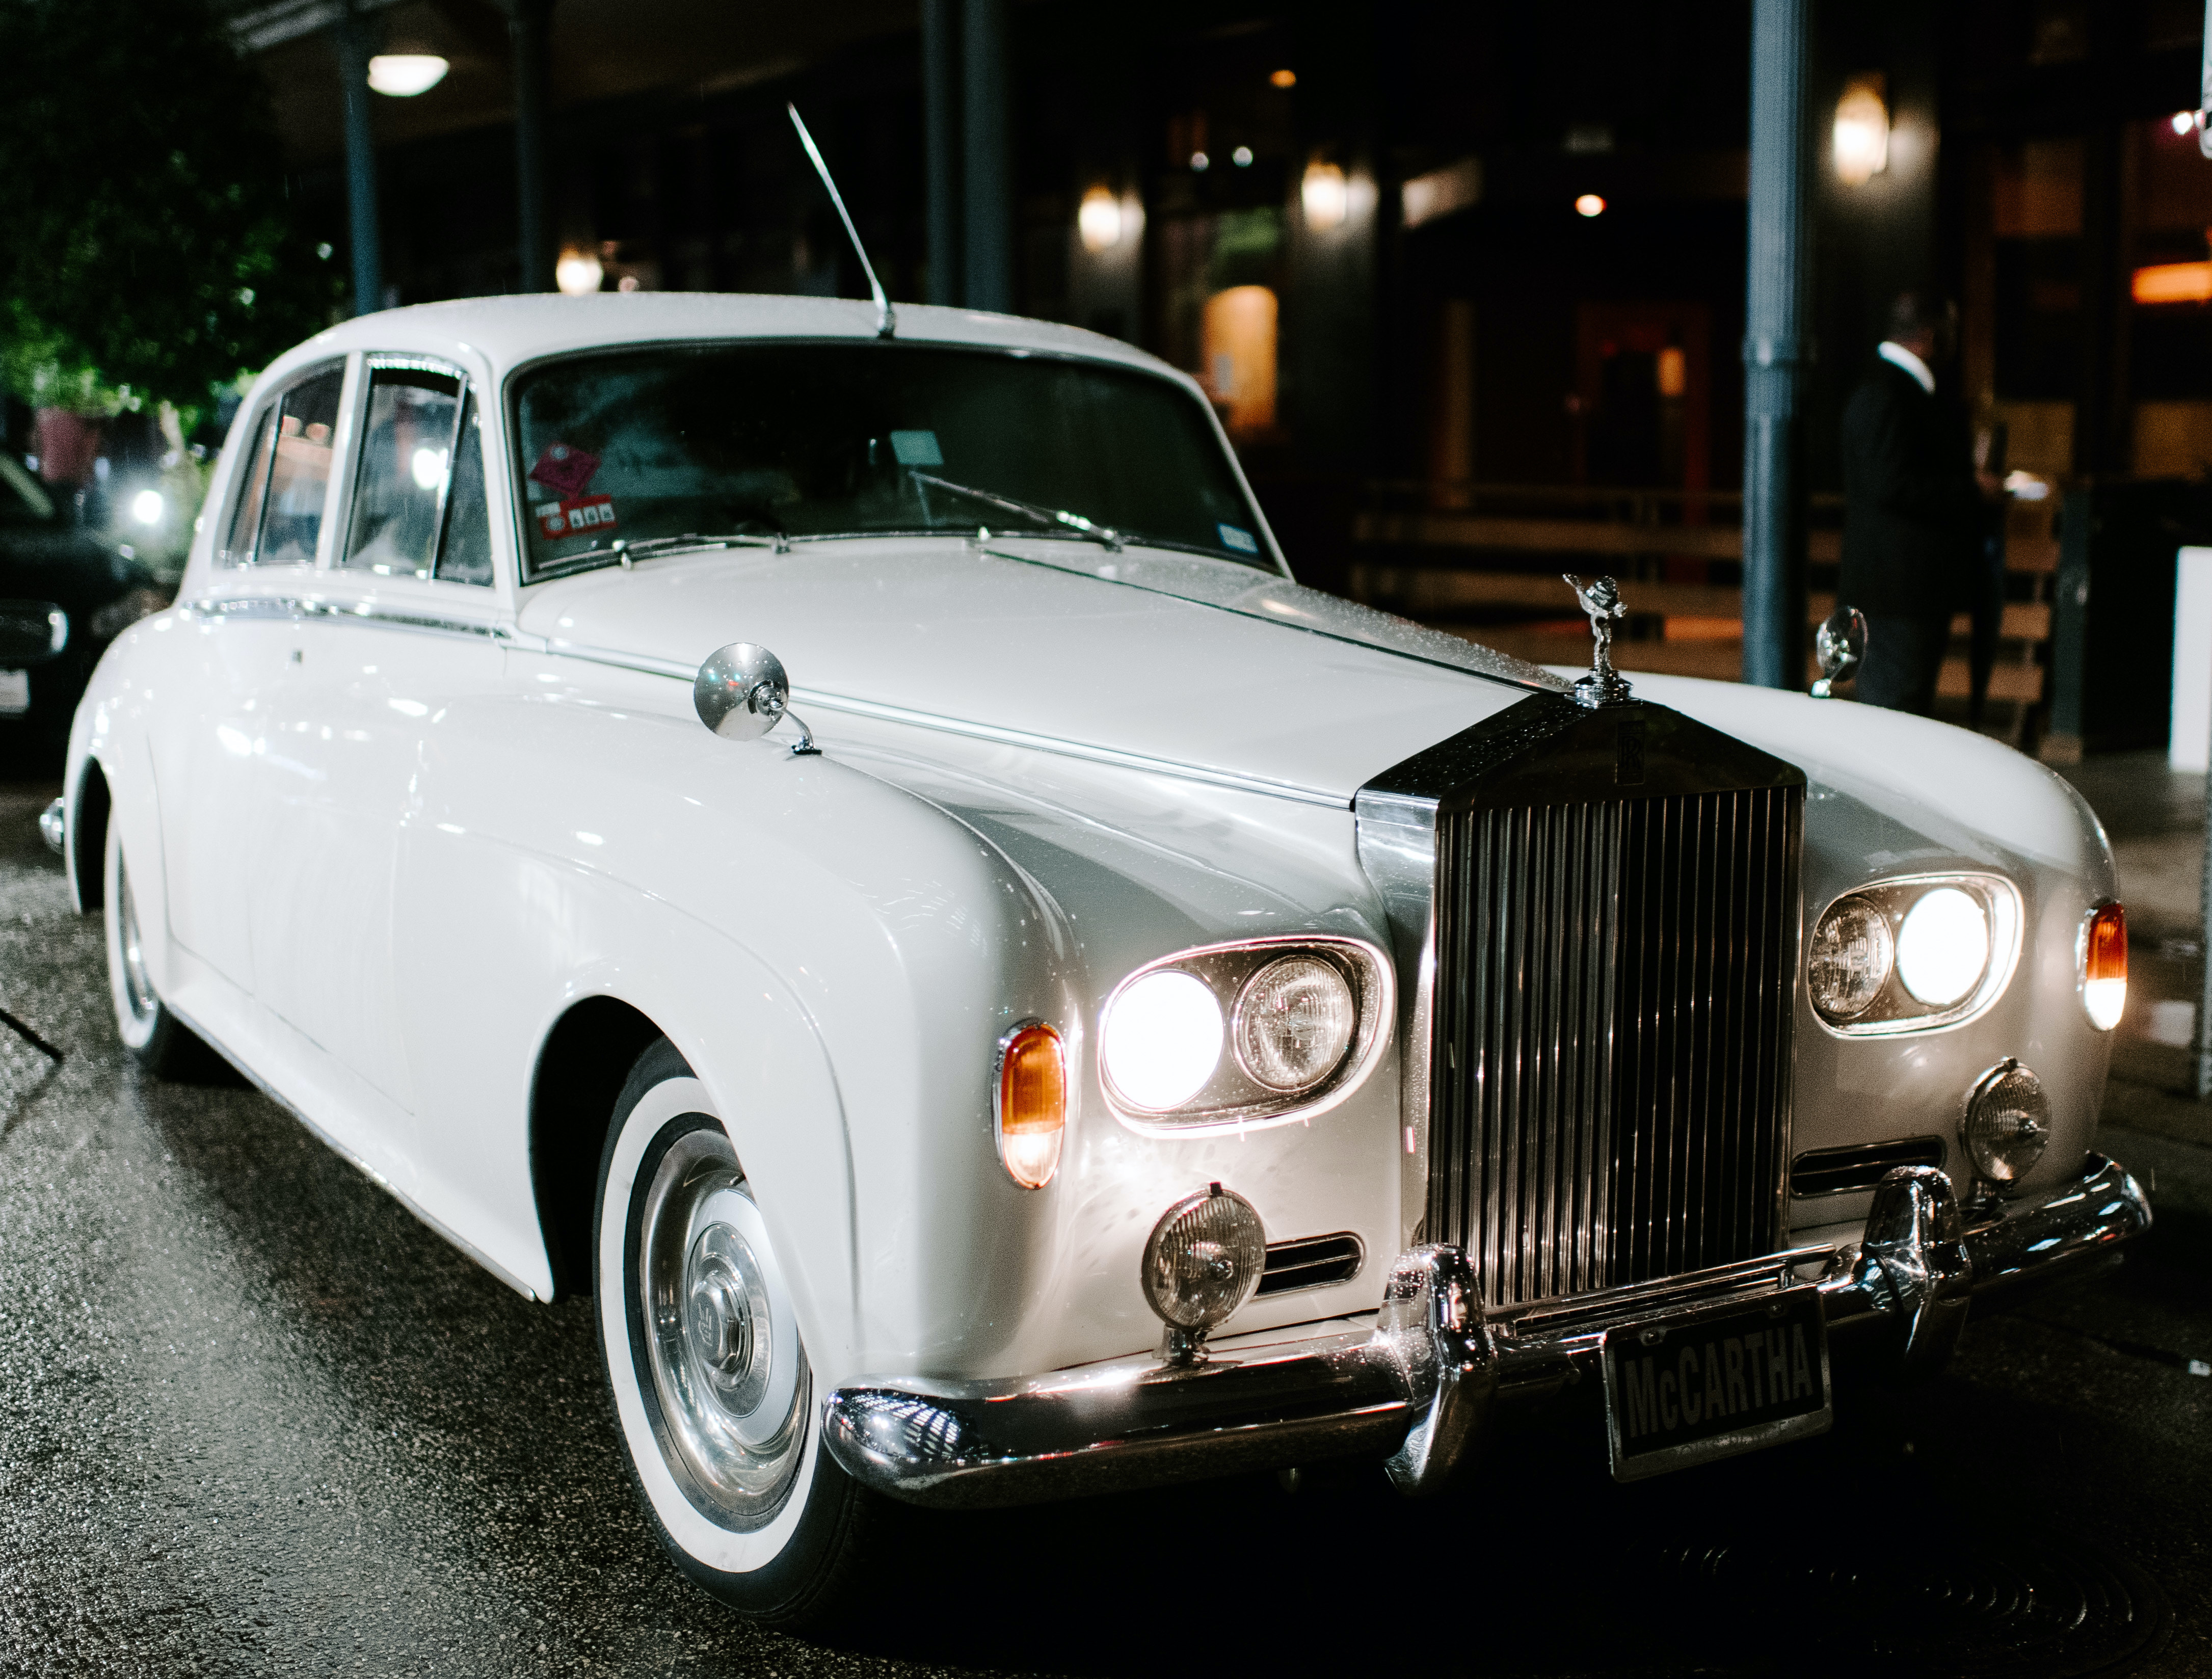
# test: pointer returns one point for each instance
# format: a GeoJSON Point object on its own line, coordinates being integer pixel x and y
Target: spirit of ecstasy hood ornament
{"type": "Point", "coordinates": [1601, 600]}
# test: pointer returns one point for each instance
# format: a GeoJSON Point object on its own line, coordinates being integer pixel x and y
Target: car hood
{"type": "Point", "coordinates": [1201, 664]}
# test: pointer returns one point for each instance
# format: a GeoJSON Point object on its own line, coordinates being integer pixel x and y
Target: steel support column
{"type": "Point", "coordinates": [988, 280]}
{"type": "Point", "coordinates": [351, 36]}
{"type": "Point", "coordinates": [940, 96]}
{"type": "Point", "coordinates": [1774, 351]}
{"type": "Point", "coordinates": [528, 23]}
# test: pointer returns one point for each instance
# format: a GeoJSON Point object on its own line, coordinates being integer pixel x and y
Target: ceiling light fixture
{"type": "Point", "coordinates": [404, 75]}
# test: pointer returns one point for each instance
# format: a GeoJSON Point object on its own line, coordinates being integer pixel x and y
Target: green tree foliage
{"type": "Point", "coordinates": [150, 249]}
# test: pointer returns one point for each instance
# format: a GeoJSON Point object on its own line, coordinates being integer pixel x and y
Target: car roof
{"type": "Point", "coordinates": [499, 333]}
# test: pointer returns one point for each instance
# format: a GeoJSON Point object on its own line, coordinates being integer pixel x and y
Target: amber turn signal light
{"type": "Point", "coordinates": [2104, 965]}
{"type": "Point", "coordinates": [1032, 1103]}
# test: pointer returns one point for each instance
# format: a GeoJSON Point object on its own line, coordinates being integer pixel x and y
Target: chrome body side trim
{"type": "Point", "coordinates": [385, 618]}
{"type": "Point", "coordinates": [1421, 1383]}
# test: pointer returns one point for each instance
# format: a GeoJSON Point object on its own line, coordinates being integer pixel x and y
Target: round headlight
{"type": "Point", "coordinates": [1294, 1022]}
{"type": "Point", "coordinates": [1161, 1039]}
{"type": "Point", "coordinates": [1203, 1259]}
{"type": "Point", "coordinates": [1852, 954]}
{"type": "Point", "coordinates": [1943, 945]}
{"type": "Point", "coordinates": [2007, 1123]}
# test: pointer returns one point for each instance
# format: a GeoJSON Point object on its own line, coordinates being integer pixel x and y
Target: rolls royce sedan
{"type": "Point", "coordinates": [842, 840]}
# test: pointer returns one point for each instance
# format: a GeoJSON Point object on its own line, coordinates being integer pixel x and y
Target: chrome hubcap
{"type": "Point", "coordinates": [728, 1374]}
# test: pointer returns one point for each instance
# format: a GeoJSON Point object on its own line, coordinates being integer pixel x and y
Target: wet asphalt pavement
{"type": "Point", "coordinates": [255, 1419]}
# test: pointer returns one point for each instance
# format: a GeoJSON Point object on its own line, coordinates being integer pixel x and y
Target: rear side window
{"type": "Point", "coordinates": [406, 467]}
{"type": "Point", "coordinates": [300, 471]}
{"type": "Point", "coordinates": [278, 516]}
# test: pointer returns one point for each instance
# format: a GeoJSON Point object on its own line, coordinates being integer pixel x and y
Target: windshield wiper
{"type": "Point", "coordinates": [1043, 515]}
{"type": "Point", "coordinates": [625, 550]}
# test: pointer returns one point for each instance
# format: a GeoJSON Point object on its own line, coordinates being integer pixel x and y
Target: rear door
{"type": "Point", "coordinates": [213, 735]}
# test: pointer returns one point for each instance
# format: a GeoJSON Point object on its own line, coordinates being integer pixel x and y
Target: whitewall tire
{"type": "Point", "coordinates": [719, 1411]}
{"type": "Point", "coordinates": [156, 1039]}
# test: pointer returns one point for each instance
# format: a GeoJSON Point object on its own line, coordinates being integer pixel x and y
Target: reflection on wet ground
{"type": "Point", "coordinates": [254, 1419]}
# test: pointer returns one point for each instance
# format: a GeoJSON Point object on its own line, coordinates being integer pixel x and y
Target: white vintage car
{"type": "Point", "coordinates": [1109, 1013]}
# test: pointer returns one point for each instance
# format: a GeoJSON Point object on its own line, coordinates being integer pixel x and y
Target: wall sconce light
{"type": "Point", "coordinates": [404, 75]}
{"type": "Point", "coordinates": [578, 273]}
{"type": "Point", "coordinates": [1324, 196]}
{"type": "Point", "coordinates": [1861, 132]}
{"type": "Point", "coordinates": [1099, 219]}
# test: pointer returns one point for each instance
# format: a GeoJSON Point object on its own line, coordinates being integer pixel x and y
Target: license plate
{"type": "Point", "coordinates": [1710, 1384]}
{"type": "Point", "coordinates": [15, 692]}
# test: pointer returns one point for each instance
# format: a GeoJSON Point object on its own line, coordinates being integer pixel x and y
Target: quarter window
{"type": "Point", "coordinates": [466, 556]}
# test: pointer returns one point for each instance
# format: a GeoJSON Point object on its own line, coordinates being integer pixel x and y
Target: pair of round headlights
{"type": "Point", "coordinates": [1937, 949]}
{"type": "Point", "coordinates": [1289, 1026]}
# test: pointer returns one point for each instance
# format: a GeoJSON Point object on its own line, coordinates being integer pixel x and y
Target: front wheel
{"type": "Point", "coordinates": [721, 1422]}
{"type": "Point", "coordinates": [157, 1040]}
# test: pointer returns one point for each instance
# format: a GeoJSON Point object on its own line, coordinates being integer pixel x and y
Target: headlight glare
{"type": "Point", "coordinates": [1943, 946]}
{"type": "Point", "coordinates": [1853, 952]}
{"type": "Point", "coordinates": [1295, 1018]}
{"type": "Point", "coordinates": [1161, 1039]}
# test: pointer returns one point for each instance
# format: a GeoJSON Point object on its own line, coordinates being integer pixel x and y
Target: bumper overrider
{"type": "Point", "coordinates": [1420, 1384]}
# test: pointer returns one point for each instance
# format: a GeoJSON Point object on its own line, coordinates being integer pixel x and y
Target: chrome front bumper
{"type": "Point", "coordinates": [1417, 1383]}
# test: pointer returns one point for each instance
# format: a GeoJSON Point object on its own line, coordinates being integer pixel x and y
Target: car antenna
{"type": "Point", "coordinates": [886, 322]}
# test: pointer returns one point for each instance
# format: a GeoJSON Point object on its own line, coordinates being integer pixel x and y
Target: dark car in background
{"type": "Point", "coordinates": [64, 594]}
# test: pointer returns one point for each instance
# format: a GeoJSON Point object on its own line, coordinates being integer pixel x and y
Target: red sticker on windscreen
{"type": "Point", "coordinates": [565, 469]}
{"type": "Point", "coordinates": [576, 516]}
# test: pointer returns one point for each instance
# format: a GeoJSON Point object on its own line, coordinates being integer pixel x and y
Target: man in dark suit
{"type": "Point", "coordinates": [1911, 513]}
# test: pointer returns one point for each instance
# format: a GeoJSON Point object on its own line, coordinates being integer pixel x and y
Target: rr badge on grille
{"type": "Point", "coordinates": [1601, 600]}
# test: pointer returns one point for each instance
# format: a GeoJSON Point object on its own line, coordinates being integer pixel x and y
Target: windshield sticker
{"type": "Point", "coordinates": [1236, 536]}
{"type": "Point", "coordinates": [567, 470]}
{"type": "Point", "coordinates": [916, 448]}
{"type": "Point", "coordinates": [587, 516]}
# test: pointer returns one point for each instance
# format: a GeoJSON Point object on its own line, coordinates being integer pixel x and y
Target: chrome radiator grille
{"type": "Point", "coordinates": [1611, 1050]}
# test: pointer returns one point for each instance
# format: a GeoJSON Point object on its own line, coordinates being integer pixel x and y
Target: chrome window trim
{"type": "Point", "coordinates": [2007, 938]}
{"type": "Point", "coordinates": [1378, 1013]}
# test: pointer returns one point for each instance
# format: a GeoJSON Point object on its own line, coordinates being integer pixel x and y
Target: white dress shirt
{"type": "Point", "coordinates": [1899, 357]}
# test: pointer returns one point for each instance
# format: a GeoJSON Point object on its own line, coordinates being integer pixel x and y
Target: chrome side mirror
{"type": "Point", "coordinates": [741, 692]}
{"type": "Point", "coordinates": [1840, 643]}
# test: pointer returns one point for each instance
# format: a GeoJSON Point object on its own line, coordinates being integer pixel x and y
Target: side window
{"type": "Point", "coordinates": [299, 472]}
{"type": "Point", "coordinates": [253, 490]}
{"type": "Point", "coordinates": [406, 464]}
{"type": "Point", "coordinates": [466, 556]}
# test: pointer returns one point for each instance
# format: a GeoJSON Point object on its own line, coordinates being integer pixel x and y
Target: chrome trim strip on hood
{"type": "Point", "coordinates": [648, 664]}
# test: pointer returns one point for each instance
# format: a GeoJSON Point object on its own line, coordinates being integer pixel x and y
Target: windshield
{"type": "Point", "coordinates": [812, 440]}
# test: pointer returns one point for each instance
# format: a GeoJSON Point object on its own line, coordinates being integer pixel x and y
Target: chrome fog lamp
{"type": "Point", "coordinates": [2007, 1123]}
{"type": "Point", "coordinates": [1201, 1263]}
{"type": "Point", "coordinates": [1295, 1018]}
{"type": "Point", "coordinates": [1161, 1039]}
{"type": "Point", "coordinates": [1943, 945]}
{"type": "Point", "coordinates": [1853, 951]}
